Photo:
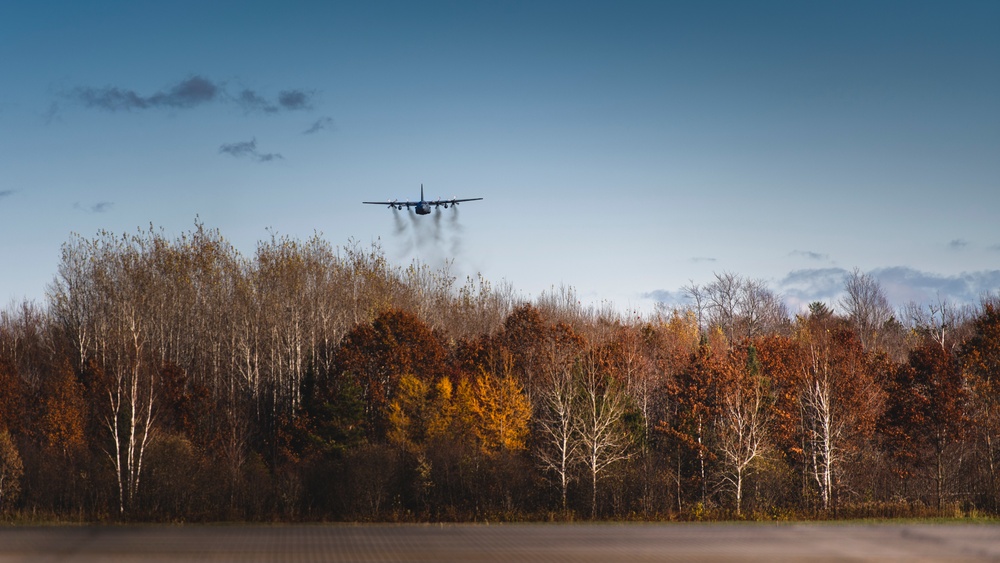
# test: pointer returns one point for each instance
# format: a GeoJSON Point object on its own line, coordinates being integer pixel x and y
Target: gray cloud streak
{"type": "Point", "coordinates": [186, 94]}
{"type": "Point", "coordinates": [319, 125]}
{"type": "Point", "coordinates": [248, 149]}
{"type": "Point", "coordinates": [295, 99]}
{"type": "Point", "coordinates": [99, 207]}
{"type": "Point", "coordinates": [809, 254]}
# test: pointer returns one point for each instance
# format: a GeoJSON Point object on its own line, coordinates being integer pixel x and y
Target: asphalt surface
{"type": "Point", "coordinates": [510, 542]}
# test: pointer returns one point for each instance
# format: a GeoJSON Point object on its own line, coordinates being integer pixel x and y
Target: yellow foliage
{"type": "Point", "coordinates": [421, 414]}
{"type": "Point", "coordinates": [501, 413]}
{"type": "Point", "coordinates": [493, 409]}
{"type": "Point", "coordinates": [406, 412]}
{"type": "Point", "coordinates": [442, 409]}
{"type": "Point", "coordinates": [683, 326]}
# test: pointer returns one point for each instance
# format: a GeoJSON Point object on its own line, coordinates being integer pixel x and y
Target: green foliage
{"type": "Point", "coordinates": [333, 415]}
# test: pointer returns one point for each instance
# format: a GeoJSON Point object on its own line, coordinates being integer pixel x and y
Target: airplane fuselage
{"type": "Point", "coordinates": [423, 208]}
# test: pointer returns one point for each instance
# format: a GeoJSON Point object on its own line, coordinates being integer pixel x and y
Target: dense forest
{"type": "Point", "coordinates": [174, 379]}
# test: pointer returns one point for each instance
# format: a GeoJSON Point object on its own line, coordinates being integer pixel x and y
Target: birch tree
{"type": "Point", "coordinates": [558, 445]}
{"type": "Point", "coordinates": [604, 440]}
{"type": "Point", "coordinates": [743, 422]}
{"type": "Point", "coordinates": [840, 400]}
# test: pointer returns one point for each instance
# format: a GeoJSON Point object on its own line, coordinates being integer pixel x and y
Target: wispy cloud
{"type": "Point", "coordinates": [904, 284]}
{"type": "Point", "coordinates": [809, 254]}
{"type": "Point", "coordinates": [99, 207]}
{"type": "Point", "coordinates": [319, 125]}
{"type": "Point", "coordinates": [958, 244]}
{"type": "Point", "coordinates": [901, 285]}
{"type": "Point", "coordinates": [189, 93]}
{"type": "Point", "coordinates": [185, 94]}
{"type": "Point", "coordinates": [6, 193]}
{"type": "Point", "coordinates": [802, 287]}
{"type": "Point", "coordinates": [295, 99]}
{"type": "Point", "coordinates": [995, 247]}
{"type": "Point", "coordinates": [702, 259]}
{"type": "Point", "coordinates": [252, 101]}
{"type": "Point", "coordinates": [675, 298]}
{"type": "Point", "coordinates": [248, 149]}
{"type": "Point", "coordinates": [51, 114]}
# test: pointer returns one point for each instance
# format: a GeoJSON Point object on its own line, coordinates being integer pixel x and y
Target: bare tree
{"type": "Point", "coordinates": [761, 310]}
{"type": "Point", "coordinates": [866, 306]}
{"type": "Point", "coordinates": [697, 294]}
{"type": "Point", "coordinates": [741, 308]}
{"type": "Point", "coordinates": [944, 322]}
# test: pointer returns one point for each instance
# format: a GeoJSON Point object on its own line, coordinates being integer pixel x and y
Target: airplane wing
{"type": "Point", "coordinates": [394, 203]}
{"type": "Point", "coordinates": [452, 201]}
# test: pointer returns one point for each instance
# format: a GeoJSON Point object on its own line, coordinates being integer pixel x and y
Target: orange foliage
{"type": "Point", "coordinates": [63, 410]}
{"type": "Point", "coordinates": [501, 413]}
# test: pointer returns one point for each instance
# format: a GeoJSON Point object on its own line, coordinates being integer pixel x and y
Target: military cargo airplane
{"type": "Point", "coordinates": [422, 207]}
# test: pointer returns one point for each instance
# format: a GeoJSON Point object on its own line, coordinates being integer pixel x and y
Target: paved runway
{"type": "Point", "coordinates": [510, 542]}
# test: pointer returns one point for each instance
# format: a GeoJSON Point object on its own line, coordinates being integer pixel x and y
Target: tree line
{"type": "Point", "coordinates": [174, 379]}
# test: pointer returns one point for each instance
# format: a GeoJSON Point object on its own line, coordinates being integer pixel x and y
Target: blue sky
{"type": "Point", "coordinates": [625, 149]}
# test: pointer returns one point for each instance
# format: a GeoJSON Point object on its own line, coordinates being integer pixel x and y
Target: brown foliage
{"type": "Point", "coordinates": [378, 355]}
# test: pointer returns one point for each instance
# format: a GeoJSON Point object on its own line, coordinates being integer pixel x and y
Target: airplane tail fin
{"type": "Point", "coordinates": [421, 192]}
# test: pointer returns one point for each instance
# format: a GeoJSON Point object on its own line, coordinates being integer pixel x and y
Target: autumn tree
{"type": "Point", "coordinates": [688, 423]}
{"type": "Point", "coordinates": [12, 392]}
{"type": "Point", "coordinates": [525, 341]}
{"type": "Point", "coordinates": [779, 358]}
{"type": "Point", "coordinates": [840, 399]}
{"type": "Point", "coordinates": [925, 415]}
{"type": "Point", "coordinates": [11, 470]}
{"type": "Point", "coordinates": [479, 308]}
{"type": "Point", "coordinates": [629, 357]}
{"type": "Point", "coordinates": [378, 355]}
{"type": "Point", "coordinates": [63, 411]}
{"type": "Point", "coordinates": [421, 413]}
{"type": "Point", "coordinates": [744, 419]}
{"type": "Point", "coordinates": [980, 356]}
{"type": "Point", "coordinates": [500, 412]}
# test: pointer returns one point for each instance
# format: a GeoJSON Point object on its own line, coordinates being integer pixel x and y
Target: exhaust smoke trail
{"type": "Point", "coordinates": [399, 224]}
{"type": "Point", "coordinates": [433, 240]}
{"type": "Point", "coordinates": [399, 228]}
